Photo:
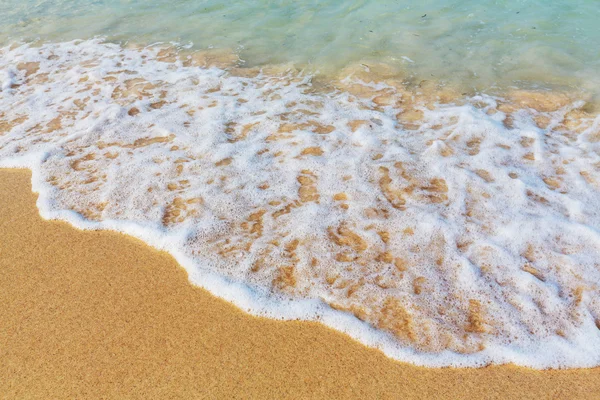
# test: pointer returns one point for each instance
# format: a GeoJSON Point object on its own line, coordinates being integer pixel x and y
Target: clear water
{"type": "Point", "coordinates": [478, 43]}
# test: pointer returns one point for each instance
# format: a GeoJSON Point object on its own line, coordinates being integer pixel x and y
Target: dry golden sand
{"type": "Point", "coordinates": [101, 315]}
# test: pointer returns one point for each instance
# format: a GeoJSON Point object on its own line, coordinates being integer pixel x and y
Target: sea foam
{"type": "Point", "coordinates": [444, 230]}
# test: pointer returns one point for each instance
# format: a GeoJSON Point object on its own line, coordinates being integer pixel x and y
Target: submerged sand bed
{"type": "Point", "coordinates": [102, 315]}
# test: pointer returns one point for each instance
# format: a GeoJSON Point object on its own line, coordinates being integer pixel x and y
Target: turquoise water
{"type": "Point", "coordinates": [478, 43]}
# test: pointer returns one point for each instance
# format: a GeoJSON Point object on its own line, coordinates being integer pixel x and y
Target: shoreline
{"type": "Point", "coordinates": [276, 182]}
{"type": "Point", "coordinates": [113, 317]}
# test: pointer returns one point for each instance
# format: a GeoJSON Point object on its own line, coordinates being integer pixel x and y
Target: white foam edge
{"type": "Point", "coordinates": [553, 352]}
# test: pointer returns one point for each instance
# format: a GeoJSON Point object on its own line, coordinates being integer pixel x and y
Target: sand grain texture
{"type": "Point", "coordinates": [102, 315]}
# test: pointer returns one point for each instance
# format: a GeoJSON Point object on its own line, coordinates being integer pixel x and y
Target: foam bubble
{"type": "Point", "coordinates": [444, 230]}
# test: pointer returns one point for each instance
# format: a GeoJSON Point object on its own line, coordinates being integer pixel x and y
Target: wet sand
{"type": "Point", "coordinates": [102, 315]}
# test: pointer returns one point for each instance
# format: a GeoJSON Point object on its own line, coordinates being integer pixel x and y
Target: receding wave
{"type": "Point", "coordinates": [444, 228]}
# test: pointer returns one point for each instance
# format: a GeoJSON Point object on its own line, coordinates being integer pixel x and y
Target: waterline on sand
{"type": "Point", "coordinates": [443, 228]}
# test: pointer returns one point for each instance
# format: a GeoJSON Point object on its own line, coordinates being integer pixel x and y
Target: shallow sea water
{"type": "Point", "coordinates": [476, 43]}
{"type": "Point", "coordinates": [424, 178]}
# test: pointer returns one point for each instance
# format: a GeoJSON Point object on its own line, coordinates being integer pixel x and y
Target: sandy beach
{"type": "Point", "coordinates": [102, 315]}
